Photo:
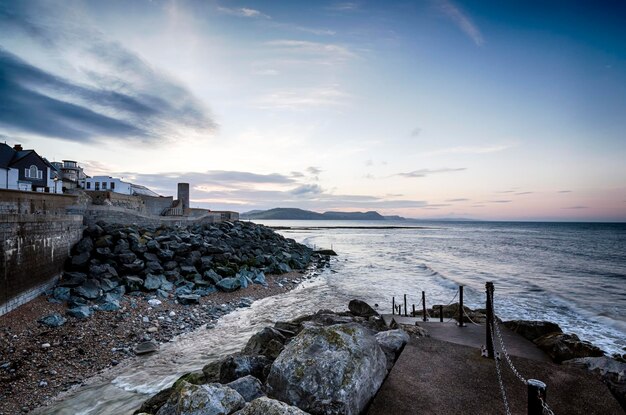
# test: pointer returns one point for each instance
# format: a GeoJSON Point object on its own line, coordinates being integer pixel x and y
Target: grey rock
{"type": "Point", "coordinates": [329, 370]}
{"type": "Point", "coordinates": [361, 309]}
{"type": "Point", "coordinates": [72, 279]}
{"type": "Point", "coordinates": [532, 330]}
{"type": "Point", "coordinates": [209, 399]}
{"type": "Point", "coordinates": [61, 293]}
{"type": "Point", "coordinates": [228, 284]}
{"type": "Point", "coordinates": [268, 342]}
{"type": "Point", "coordinates": [248, 387]}
{"type": "Point", "coordinates": [80, 312]}
{"type": "Point", "coordinates": [80, 261]}
{"type": "Point", "coordinates": [90, 289]}
{"type": "Point", "coordinates": [267, 406]}
{"type": "Point", "coordinates": [127, 257]}
{"type": "Point", "coordinates": [134, 267]}
{"type": "Point", "coordinates": [561, 346]}
{"type": "Point", "coordinates": [392, 342]}
{"type": "Point", "coordinates": [84, 245]}
{"type": "Point", "coordinates": [146, 347]}
{"type": "Point", "coordinates": [53, 320]}
{"type": "Point", "coordinates": [133, 282]}
{"type": "Point", "coordinates": [238, 366]}
{"type": "Point", "coordinates": [152, 282]}
{"type": "Point", "coordinates": [187, 299]}
{"type": "Point", "coordinates": [107, 284]}
{"type": "Point", "coordinates": [212, 276]}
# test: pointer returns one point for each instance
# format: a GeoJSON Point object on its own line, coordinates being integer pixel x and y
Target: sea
{"type": "Point", "coordinates": [573, 274]}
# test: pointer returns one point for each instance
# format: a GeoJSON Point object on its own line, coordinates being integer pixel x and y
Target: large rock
{"type": "Point", "coordinates": [248, 387]}
{"type": "Point", "coordinates": [361, 308]}
{"type": "Point", "coordinates": [152, 405]}
{"type": "Point", "coordinates": [146, 347]}
{"type": "Point", "coordinates": [152, 282]}
{"type": "Point", "coordinates": [228, 284]}
{"type": "Point", "coordinates": [532, 330]}
{"type": "Point", "coordinates": [82, 311]}
{"type": "Point", "coordinates": [89, 289]}
{"type": "Point", "coordinates": [238, 366]}
{"type": "Point", "coordinates": [392, 342]}
{"type": "Point", "coordinates": [267, 342]}
{"type": "Point", "coordinates": [210, 399]}
{"type": "Point", "coordinates": [267, 406]}
{"type": "Point", "coordinates": [561, 346]}
{"type": "Point", "coordinates": [329, 370]}
{"type": "Point", "coordinates": [53, 320]}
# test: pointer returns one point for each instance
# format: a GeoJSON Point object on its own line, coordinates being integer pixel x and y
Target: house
{"type": "Point", "coordinates": [71, 174]}
{"type": "Point", "coordinates": [26, 170]}
{"type": "Point", "coordinates": [113, 184]}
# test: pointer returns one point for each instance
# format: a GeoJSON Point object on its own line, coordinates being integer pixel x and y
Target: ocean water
{"type": "Point", "coordinates": [570, 273]}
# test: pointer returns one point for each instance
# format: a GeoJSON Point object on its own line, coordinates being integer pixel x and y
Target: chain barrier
{"type": "Point", "coordinates": [496, 326]}
{"type": "Point", "coordinates": [501, 382]}
{"type": "Point", "coordinates": [469, 318]}
{"type": "Point", "coordinates": [546, 409]}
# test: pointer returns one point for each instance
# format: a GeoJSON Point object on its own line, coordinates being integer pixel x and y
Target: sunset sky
{"type": "Point", "coordinates": [486, 109]}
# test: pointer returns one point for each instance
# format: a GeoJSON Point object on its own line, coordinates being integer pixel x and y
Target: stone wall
{"type": "Point", "coordinates": [108, 198]}
{"type": "Point", "coordinates": [156, 205]}
{"type": "Point", "coordinates": [19, 202]}
{"type": "Point", "coordinates": [34, 248]}
{"type": "Point", "coordinates": [114, 215]}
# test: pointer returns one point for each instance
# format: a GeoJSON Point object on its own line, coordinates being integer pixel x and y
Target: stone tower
{"type": "Point", "coordinates": [183, 196]}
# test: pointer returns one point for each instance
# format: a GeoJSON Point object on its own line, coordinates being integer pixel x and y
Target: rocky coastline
{"type": "Point", "coordinates": [126, 290]}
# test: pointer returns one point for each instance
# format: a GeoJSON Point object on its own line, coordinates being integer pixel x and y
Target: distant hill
{"type": "Point", "coordinates": [300, 214]}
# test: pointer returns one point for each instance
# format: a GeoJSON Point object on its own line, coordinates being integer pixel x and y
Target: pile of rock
{"type": "Point", "coordinates": [180, 263]}
{"type": "Point", "coordinates": [326, 363]}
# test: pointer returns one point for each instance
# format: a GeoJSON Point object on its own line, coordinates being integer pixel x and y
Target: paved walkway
{"type": "Point", "coordinates": [433, 376]}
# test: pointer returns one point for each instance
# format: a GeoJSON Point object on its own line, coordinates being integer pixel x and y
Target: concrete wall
{"type": "Point", "coordinates": [33, 249]}
{"type": "Point", "coordinates": [19, 202]}
{"type": "Point", "coordinates": [156, 205]}
{"type": "Point", "coordinates": [117, 199]}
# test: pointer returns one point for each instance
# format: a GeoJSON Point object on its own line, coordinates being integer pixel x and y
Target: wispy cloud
{"type": "Point", "coordinates": [428, 172]}
{"type": "Point", "coordinates": [457, 200]}
{"type": "Point", "coordinates": [461, 20]}
{"type": "Point", "coordinates": [523, 193]}
{"type": "Point", "coordinates": [330, 50]}
{"type": "Point", "coordinates": [119, 96]}
{"type": "Point", "coordinates": [467, 150]}
{"type": "Point", "coordinates": [303, 98]}
{"type": "Point", "coordinates": [242, 12]}
{"type": "Point", "coordinates": [415, 132]}
{"type": "Point", "coordinates": [576, 207]}
{"type": "Point", "coordinates": [499, 201]}
{"type": "Point", "coordinates": [345, 6]}
{"type": "Point", "coordinates": [564, 191]}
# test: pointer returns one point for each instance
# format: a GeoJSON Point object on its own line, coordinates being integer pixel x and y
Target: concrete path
{"type": "Point", "coordinates": [433, 376]}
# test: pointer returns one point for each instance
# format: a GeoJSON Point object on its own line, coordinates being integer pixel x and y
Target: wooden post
{"type": "Point", "coordinates": [413, 310]}
{"type": "Point", "coordinates": [489, 325]}
{"type": "Point", "coordinates": [424, 306]}
{"type": "Point", "coordinates": [461, 306]}
{"type": "Point", "coordinates": [406, 314]}
{"type": "Point", "coordinates": [393, 305]}
{"type": "Point", "coordinates": [441, 313]}
{"type": "Point", "coordinates": [536, 393]}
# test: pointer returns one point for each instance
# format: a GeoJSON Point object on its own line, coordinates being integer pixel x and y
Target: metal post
{"type": "Point", "coordinates": [406, 314]}
{"type": "Point", "coordinates": [489, 325]}
{"type": "Point", "coordinates": [424, 306]}
{"type": "Point", "coordinates": [461, 306]}
{"type": "Point", "coordinates": [441, 313]}
{"type": "Point", "coordinates": [536, 394]}
{"type": "Point", "coordinates": [393, 305]}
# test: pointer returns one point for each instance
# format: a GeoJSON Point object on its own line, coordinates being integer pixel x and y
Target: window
{"type": "Point", "coordinates": [33, 173]}
{"type": "Point", "coordinates": [97, 184]}
{"type": "Point", "coordinates": [88, 184]}
{"type": "Point", "coordinates": [104, 185]}
{"type": "Point", "coordinates": [112, 185]}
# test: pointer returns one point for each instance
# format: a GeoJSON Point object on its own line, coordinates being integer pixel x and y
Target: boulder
{"type": "Point", "coordinates": [329, 370]}
{"type": "Point", "coordinates": [134, 267]}
{"type": "Point", "coordinates": [133, 282]}
{"type": "Point", "coordinates": [152, 282]}
{"type": "Point", "coordinates": [187, 299]}
{"type": "Point", "coordinates": [561, 346]}
{"type": "Point", "coordinates": [392, 342]}
{"type": "Point", "coordinates": [84, 245]}
{"type": "Point", "coordinates": [210, 399]}
{"type": "Point", "coordinates": [212, 276]}
{"type": "Point", "coordinates": [72, 279]}
{"type": "Point", "coordinates": [152, 405]}
{"type": "Point", "coordinates": [228, 284]}
{"type": "Point", "coordinates": [532, 330]}
{"type": "Point", "coordinates": [80, 261]}
{"type": "Point", "coordinates": [268, 342]}
{"type": "Point", "coordinates": [361, 309]}
{"type": "Point", "coordinates": [248, 387]}
{"type": "Point", "coordinates": [259, 278]}
{"type": "Point", "coordinates": [107, 284]}
{"type": "Point", "coordinates": [61, 293]}
{"type": "Point", "coordinates": [267, 406]}
{"type": "Point", "coordinates": [238, 366]}
{"type": "Point", "coordinates": [146, 347]}
{"type": "Point", "coordinates": [89, 289]}
{"type": "Point", "coordinates": [81, 312]}
{"type": "Point", "coordinates": [610, 371]}
{"type": "Point", "coordinates": [53, 320]}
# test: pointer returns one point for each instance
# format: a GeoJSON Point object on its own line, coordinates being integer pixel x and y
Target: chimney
{"type": "Point", "coordinates": [18, 147]}
{"type": "Point", "coordinates": [183, 196]}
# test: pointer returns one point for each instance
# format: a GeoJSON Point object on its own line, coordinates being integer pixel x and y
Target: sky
{"type": "Point", "coordinates": [426, 109]}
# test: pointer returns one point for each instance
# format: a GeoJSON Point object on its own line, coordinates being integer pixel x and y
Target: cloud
{"type": "Point", "coordinates": [345, 6]}
{"type": "Point", "coordinates": [564, 191]}
{"type": "Point", "coordinates": [428, 172]}
{"type": "Point", "coordinates": [304, 98]}
{"type": "Point", "coordinates": [369, 162]}
{"type": "Point", "coordinates": [505, 191]}
{"type": "Point", "coordinates": [119, 96]}
{"type": "Point", "coordinates": [468, 150]}
{"type": "Point", "coordinates": [499, 201]}
{"type": "Point", "coordinates": [303, 47]}
{"type": "Point", "coordinates": [576, 207]}
{"type": "Point", "coordinates": [242, 12]}
{"type": "Point", "coordinates": [307, 189]}
{"type": "Point", "coordinates": [416, 131]}
{"type": "Point", "coordinates": [457, 200]}
{"type": "Point", "coordinates": [523, 193]}
{"type": "Point", "coordinates": [461, 20]}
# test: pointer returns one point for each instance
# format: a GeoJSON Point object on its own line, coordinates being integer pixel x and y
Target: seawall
{"type": "Point", "coordinates": [33, 251]}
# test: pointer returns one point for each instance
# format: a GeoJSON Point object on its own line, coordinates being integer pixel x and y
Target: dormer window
{"type": "Point", "coordinates": [33, 173]}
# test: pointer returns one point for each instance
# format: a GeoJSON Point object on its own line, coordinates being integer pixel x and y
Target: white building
{"type": "Point", "coordinates": [26, 170]}
{"type": "Point", "coordinates": [113, 184]}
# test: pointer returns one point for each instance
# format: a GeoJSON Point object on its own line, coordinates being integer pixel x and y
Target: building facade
{"type": "Point", "coordinates": [26, 170]}
{"type": "Point", "coordinates": [71, 174]}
